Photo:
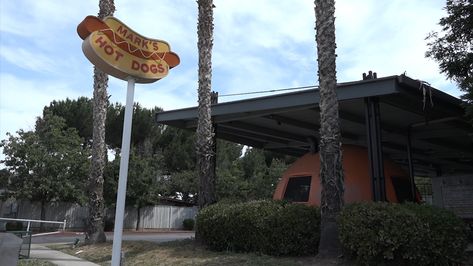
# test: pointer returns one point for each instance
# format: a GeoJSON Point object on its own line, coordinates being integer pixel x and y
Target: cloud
{"type": "Point", "coordinates": [258, 45]}
{"type": "Point", "coordinates": [42, 19]}
{"type": "Point", "coordinates": [27, 59]}
{"type": "Point", "coordinates": [21, 101]}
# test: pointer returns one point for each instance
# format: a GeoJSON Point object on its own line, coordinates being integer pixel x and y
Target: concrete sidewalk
{"type": "Point", "coordinates": [57, 257]}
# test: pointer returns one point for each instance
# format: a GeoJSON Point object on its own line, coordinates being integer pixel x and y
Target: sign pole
{"type": "Point", "coordinates": [121, 60]}
{"type": "Point", "coordinates": [125, 154]}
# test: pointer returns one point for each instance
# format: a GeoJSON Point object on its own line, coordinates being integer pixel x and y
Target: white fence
{"type": "Point", "coordinates": [152, 217]}
{"type": "Point", "coordinates": [29, 221]}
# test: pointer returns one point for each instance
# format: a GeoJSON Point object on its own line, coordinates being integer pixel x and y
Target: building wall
{"type": "Point", "coordinates": [454, 193]}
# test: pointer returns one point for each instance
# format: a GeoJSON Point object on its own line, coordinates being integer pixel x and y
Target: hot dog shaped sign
{"type": "Point", "coordinates": [121, 52]}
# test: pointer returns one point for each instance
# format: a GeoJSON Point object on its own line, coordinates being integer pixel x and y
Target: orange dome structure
{"type": "Point", "coordinates": [301, 182]}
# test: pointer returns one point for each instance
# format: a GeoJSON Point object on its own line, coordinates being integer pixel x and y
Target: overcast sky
{"type": "Point", "coordinates": [258, 45]}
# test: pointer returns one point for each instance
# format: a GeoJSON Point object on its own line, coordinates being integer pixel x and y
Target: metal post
{"type": "Point", "coordinates": [28, 226]}
{"type": "Point", "coordinates": [411, 165]}
{"type": "Point", "coordinates": [375, 151]}
{"type": "Point", "coordinates": [64, 225]}
{"type": "Point", "coordinates": [123, 174]}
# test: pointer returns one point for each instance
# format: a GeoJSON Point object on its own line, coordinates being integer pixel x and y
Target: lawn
{"type": "Point", "coordinates": [184, 252]}
{"type": "Point", "coordinates": [34, 262]}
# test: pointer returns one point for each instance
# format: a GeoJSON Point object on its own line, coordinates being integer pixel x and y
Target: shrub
{"type": "Point", "coordinates": [445, 241]}
{"type": "Point", "coordinates": [378, 233]}
{"type": "Point", "coordinates": [260, 226]}
{"type": "Point", "coordinates": [293, 229]}
{"type": "Point", "coordinates": [14, 226]}
{"type": "Point", "coordinates": [236, 227]}
{"type": "Point", "coordinates": [188, 224]}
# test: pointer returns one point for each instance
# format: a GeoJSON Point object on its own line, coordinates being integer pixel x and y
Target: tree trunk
{"type": "Point", "coordinates": [331, 171]}
{"type": "Point", "coordinates": [138, 218]}
{"type": "Point", "coordinates": [204, 142]}
{"type": "Point", "coordinates": [42, 216]}
{"type": "Point", "coordinates": [95, 224]}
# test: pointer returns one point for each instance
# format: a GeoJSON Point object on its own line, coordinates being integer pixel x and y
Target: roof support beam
{"type": "Point", "coordinates": [375, 149]}
{"type": "Point", "coordinates": [265, 131]}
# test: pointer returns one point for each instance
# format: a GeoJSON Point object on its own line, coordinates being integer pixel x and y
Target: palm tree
{"type": "Point", "coordinates": [204, 142]}
{"type": "Point", "coordinates": [331, 172]}
{"type": "Point", "coordinates": [95, 222]}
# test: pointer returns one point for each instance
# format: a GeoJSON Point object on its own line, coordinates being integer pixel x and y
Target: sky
{"type": "Point", "coordinates": [258, 45]}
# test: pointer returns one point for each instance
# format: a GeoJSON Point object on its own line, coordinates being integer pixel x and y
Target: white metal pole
{"type": "Point", "coordinates": [123, 174]}
{"type": "Point", "coordinates": [64, 225]}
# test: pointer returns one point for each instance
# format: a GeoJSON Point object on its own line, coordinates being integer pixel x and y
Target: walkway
{"type": "Point", "coordinates": [57, 257]}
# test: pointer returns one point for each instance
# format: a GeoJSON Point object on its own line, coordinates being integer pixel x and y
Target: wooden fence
{"type": "Point", "coordinates": [151, 217]}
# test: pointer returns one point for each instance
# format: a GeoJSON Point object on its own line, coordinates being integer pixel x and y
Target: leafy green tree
{"type": "Point", "coordinates": [261, 177]}
{"type": "Point", "coordinates": [145, 132]}
{"type": "Point", "coordinates": [248, 177]}
{"type": "Point", "coordinates": [230, 184]}
{"type": "Point", "coordinates": [227, 153]}
{"type": "Point", "coordinates": [180, 185]}
{"type": "Point", "coordinates": [143, 173]}
{"type": "Point", "coordinates": [453, 47]}
{"type": "Point", "coordinates": [4, 180]}
{"type": "Point", "coordinates": [178, 149]}
{"type": "Point", "coordinates": [77, 114]}
{"type": "Point", "coordinates": [110, 185]}
{"type": "Point", "coordinates": [263, 187]}
{"type": "Point", "coordinates": [48, 164]}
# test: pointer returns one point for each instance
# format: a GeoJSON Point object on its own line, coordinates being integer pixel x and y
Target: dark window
{"type": "Point", "coordinates": [298, 189]}
{"type": "Point", "coordinates": [402, 187]}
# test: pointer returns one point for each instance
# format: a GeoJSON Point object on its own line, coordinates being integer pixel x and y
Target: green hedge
{"type": "Point", "coordinates": [188, 224]}
{"type": "Point", "coordinates": [446, 238]}
{"type": "Point", "coordinates": [260, 226]}
{"type": "Point", "coordinates": [293, 229]}
{"type": "Point", "coordinates": [380, 233]}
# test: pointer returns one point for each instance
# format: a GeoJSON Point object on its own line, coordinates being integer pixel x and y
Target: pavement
{"type": "Point", "coordinates": [153, 236]}
{"type": "Point", "coordinates": [40, 251]}
{"type": "Point", "coordinates": [10, 244]}
{"type": "Point", "coordinates": [59, 258]}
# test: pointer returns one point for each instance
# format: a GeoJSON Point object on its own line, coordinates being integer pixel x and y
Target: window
{"type": "Point", "coordinates": [298, 188]}
{"type": "Point", "coordinates": [402, 187]}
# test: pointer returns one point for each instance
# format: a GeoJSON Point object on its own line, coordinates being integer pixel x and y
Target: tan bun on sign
{"type": "Point", "coordinates": [121, 52]}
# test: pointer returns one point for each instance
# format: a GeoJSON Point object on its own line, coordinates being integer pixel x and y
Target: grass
{"type": "Point", "coordinates": [34, 262]}
{"type": "Point", "coordinates": [180, 253]}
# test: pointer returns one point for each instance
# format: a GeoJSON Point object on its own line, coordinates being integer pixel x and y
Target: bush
{"type": "Point", "coordinates": [188, 224]}
{"type": "Point", "coordinates": [260, 226]}
{"type": "Point", "coordinates": [446, 238]}
{"type": "Point", "coordinates": [235, 227]}
{"type": "Point", "coordinates": [378, 233]}
{"type": "Point", "coordinates": [293, 229]}
{"type": "Point", "coordinates": [14, 226]}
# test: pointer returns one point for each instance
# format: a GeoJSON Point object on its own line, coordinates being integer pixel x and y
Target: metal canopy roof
{"type": "Point", "coordinates": [442, 140]}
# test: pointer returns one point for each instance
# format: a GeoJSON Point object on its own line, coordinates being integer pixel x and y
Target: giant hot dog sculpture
{"type": "Point", "coordinates": [121, 52]}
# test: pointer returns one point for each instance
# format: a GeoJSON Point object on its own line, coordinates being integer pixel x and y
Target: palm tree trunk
{"type": "Point", "coordinates": [331, 171]}
{"type": "Point", "coordinates": [204, 142]}
{"type": "Point", "coordinates": [95, 224]}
